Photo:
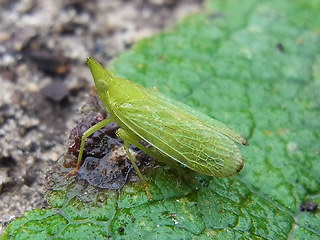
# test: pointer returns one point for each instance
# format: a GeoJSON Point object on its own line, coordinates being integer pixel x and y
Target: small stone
{"type": "Point", "coordinates": [56, 91]}
{"type": "Point", "coordinates": [33, 88]}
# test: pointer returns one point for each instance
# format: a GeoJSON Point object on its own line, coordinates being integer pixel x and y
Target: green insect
{"type": "Point", "coordinates": [176, 132]}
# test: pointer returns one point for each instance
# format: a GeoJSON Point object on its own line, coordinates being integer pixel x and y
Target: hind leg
{"type": "Point", "coordinates": [128, 139]}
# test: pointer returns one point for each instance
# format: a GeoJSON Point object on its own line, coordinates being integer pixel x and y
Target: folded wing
{"type": "Point", "coordinates": [183, 134]}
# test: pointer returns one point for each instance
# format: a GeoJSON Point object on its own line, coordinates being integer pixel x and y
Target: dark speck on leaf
{"type": "Point", "coordinates": [308, 207]}
{"type": "Point", "coordinates": [280, 47]}
{"type": "Point", "coordinates": [217, 15]}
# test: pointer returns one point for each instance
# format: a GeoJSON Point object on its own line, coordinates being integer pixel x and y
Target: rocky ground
{"type": "Point", "coordinates": [44, 78]}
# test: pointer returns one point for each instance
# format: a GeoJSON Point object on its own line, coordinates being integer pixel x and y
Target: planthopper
{"type": "Point", "coordinates": [176, 132]}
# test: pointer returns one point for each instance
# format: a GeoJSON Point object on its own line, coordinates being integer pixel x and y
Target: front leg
{"type": "Point", "coordinates": [84, 137]}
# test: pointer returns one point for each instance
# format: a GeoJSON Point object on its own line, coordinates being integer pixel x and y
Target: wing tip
{"type": "Point", "coordinates": [245, 142]}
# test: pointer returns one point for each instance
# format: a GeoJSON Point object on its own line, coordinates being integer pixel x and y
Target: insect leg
{"type": "Point", "coordinates": [134, 139]}
{"type": "Point", "coordinates": [161, 158]}
{"type": "Point", "coordinates": [127, 140]}
{"type": "Point", "coordinates": [84, 137]}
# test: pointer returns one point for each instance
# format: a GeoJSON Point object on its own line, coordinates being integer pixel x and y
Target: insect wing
{"type": "Point", "coordinates": [210, 122]}
{"type": "Point", "coordinates": [175, 130]}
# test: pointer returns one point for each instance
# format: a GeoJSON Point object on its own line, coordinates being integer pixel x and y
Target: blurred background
{"type": "Point", "coordinates": [44, 78]}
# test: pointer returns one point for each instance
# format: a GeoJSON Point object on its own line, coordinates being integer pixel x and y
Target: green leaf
{"type": "Point", "coordinates": [254, 65]}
